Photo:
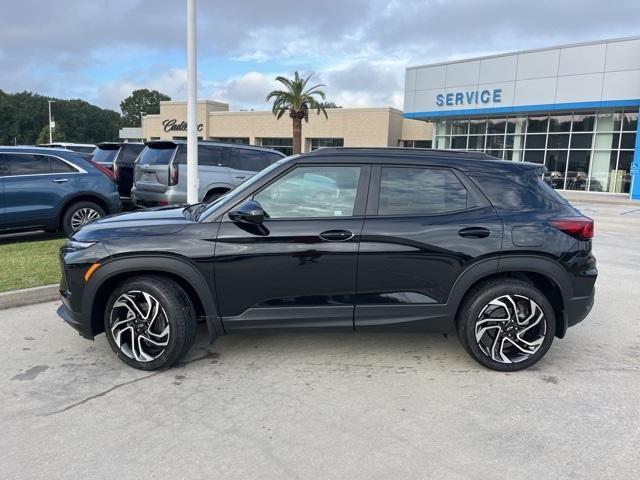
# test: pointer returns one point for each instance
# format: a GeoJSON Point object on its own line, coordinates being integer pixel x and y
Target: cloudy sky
{"type": "Point", "coordinates": [100, 50]}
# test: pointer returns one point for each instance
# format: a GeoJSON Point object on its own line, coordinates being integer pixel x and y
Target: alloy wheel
{"type": "Point", "coordinates": [82, 216]}
{"type": "Point", "coordinates": [139, 326]}
{"type": "Point", "coordinates": [510, 329]}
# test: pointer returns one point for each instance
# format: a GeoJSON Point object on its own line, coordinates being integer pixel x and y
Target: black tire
{"type": "Point", "coordinates": [176, 313]}
{"type": "Point", "coordinates": [474, 305]}
{"type": "Point", "coordinates": [68, 216]}
{"type": "Point", "coordinates": [214, 195]}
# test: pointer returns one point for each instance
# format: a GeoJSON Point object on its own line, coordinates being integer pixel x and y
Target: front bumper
{"type": "Point", "coordinates": [75, 320]}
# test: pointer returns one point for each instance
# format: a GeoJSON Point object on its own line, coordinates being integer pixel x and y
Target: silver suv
{"type": "Point", "coordinates": [161, 170]}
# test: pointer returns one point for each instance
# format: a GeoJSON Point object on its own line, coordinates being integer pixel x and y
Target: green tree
{"type": "Point", "coordinates": [58, 134]}
{"type": "Point", "coordinates": [23, 115]}
{"type": "Point", "coordinates": [330, 105]}
{"type": "Point", "coordinates": [142, 100]}
{"type": "Point", "coordinates": [297, 99]}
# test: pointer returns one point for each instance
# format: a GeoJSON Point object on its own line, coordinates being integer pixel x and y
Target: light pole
{"type": "Point", "coordinates": [142, 114]}
{"type": "Point", "coordinates": [192, 112]}
{"type": "Point", "coordinates": [50, 122]}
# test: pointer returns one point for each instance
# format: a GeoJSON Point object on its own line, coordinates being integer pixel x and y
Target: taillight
{"type": "Point", "coordinates": [116, 171]}
{"type": "Point", "coordinates": [104, 170]}
{"type": "Point", "coordinates": [174, 174]}
{"type": "Point", "coordinates": [580, 228]}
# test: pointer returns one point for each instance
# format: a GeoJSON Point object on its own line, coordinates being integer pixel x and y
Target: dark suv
{"type": "Point", "coordinates": [351, 239]}
{"type": "Point", "coordinates": [119, 157]}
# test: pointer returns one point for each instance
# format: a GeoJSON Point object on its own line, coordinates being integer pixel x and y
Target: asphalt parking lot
{"type": "Point", "coordinates": [343, 406]}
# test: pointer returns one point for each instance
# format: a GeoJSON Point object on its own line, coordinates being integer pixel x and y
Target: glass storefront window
{"type": "Point", "coordinates": [581, 140]}
{"type": "Point", "coordinates": [558, 140]}
{"type": "Point", "coordinates": [560, 123]}
{"type": "Point", "coordinates": [537, 124]}
{"type": "Point", "coordinates": [459, 142]}
{"type": "Point", "coordinates": [477, 127]}
{"type": "Point", "coordinates": [535, 141]}
{"type": "Point", "coordinates": [628, 141]}
{"type": "Point", "coordinates": [609, 122]}
{"type": "Point", "coordinates": [496, 126]}
{"type": "Point", "coordinates": [443, 143]}
{"type": "Point", "coordinates": [459, 127]}
{"type": "Point", "coordinates": [630, 121]}
{"type": "Point", "coordinates": [516, 125]}
{"type": "Point", "coordinates": [556, 163]}
{"type": "Point", "coordinates": [623, 172]}
{"type": "Point", "coordinates": [606, 140]}
{"type": "Point", "coordinates": [578, 170]}
{"type": "Point", "coordinates": [581, 150]}
{"type": "Point", "coordinates": [476, 142]}
{"type": "Point", "coordinates": [534, 156]}
{"type": "Point", "coordinates": [602, 165]}
{"type": "Point", "coordinates": [584, 122]}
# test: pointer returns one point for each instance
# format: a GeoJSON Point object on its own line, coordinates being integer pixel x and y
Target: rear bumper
{"type": "Point", "coordinates": [579, 307]}
{"type": "Point", "coordinates": [147, 198]}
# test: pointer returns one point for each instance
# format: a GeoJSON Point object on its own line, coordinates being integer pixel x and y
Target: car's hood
{"type": "Point", "coordinates": [155, 221]}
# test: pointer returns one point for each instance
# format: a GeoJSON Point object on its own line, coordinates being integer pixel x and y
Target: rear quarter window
{"type": "Point", "coordinates": [526, 193]}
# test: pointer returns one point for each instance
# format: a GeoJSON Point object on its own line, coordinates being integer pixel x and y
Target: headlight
{"type": "Point", "coordinates": [75, 245]}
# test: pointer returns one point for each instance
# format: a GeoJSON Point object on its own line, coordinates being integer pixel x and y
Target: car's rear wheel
{"type": "Point", "coordinates": [506, 325]}
{"type": "Point", "coordinates": [78, 214]}
{"type": "Point", "coordinates": [150, 322]}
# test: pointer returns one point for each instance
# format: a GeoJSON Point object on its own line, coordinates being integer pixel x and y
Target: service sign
{"type": "Point", "coordinates": [469, 98]}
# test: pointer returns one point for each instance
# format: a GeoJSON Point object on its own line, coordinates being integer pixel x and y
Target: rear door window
{"type": "Point", "coordinates": [58, 166]}
{"type": "Point", "coordinates": [27, 164]}
{"type": "Point", "coordinates": [209, 155]}
{"type": "Point", "coordinates": [420, 191]}
{"type": "Point", "coordinates": [250, 160]}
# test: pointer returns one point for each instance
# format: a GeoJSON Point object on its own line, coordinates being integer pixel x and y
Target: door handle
{"type": "Point", "coordinates": [241, 177]}
{"type": "Point", "coordinates": [336, 235]}
{"type": "Point", "coordinates": [474, 232]}
{"type": "Point", "coordinates": [60, 180]}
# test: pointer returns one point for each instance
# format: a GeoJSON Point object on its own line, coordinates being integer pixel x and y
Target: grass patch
{"type": "Point", "coordinates": [29, 263]}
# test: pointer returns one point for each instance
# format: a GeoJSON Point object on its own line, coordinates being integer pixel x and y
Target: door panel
{"type": "Point", "coordinates": [298, 268]}
{"type": "Point", "coordinates": [409, 263]}
{"type": "Point", "coordinates": [286, 274]}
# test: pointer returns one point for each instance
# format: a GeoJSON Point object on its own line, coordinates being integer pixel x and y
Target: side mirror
{"type": "Point", "coordinates": [249, 212]}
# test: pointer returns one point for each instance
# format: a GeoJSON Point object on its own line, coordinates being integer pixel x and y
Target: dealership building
{"type": "Point", "coordinates": [348, 127]}
{"type": "Point", "coordinates": [573, 108]}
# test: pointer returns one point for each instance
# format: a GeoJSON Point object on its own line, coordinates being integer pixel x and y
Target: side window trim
{"type": "Point", "coordinates": [77, 169]}
{"type": "Point", "coordinates": [474, 199]}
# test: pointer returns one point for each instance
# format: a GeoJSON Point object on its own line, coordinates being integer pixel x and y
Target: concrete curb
{"type": "Point", "coordinates": [29, 296]}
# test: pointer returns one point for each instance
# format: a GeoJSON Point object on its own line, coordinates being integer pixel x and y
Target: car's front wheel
{"type": "Point", "coordinates": [150, 322]}
{"type": "Point", "coordinates": [506, 325]}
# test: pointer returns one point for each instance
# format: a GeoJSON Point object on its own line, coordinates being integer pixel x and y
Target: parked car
{"type": "Point", "coordinates": [84, 149]}
{"type": "Point", "coordinates": [52, 189]}
{"type": "Point", "coordinates": [161, 170]}
{"type": "Point", "coordinates": [120, 158]}
{"type": "Point", "coordinates": [400, 239]}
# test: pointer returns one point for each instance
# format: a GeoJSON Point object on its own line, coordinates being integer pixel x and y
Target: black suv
{"type": "Point", "coordinates": [119, 157]}
{"type": "Point", "coordinates": [351, 239]}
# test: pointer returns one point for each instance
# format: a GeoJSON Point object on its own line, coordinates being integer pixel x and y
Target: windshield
{"type": "Point", "coordinates": [102, 155]}
{"type": "Point", "coordinates": [242, 188]}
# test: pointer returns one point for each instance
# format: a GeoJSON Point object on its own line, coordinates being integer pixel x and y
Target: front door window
{"type": "Point", "coordinates": [312, 192]}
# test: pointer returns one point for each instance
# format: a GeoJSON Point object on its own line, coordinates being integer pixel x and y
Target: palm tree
{"type": "Point", "coordinates": [297, 99]}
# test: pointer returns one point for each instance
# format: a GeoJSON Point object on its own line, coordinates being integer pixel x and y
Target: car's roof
{"type": "Point", "coordinates": [66, 144]}
{"type": "Point", "coordinates": [117, 144]}
{"type": "Point", "coordinates": [477, 161]}
{"type": "Point", "coordinates": [222, 144]}
{"type": "Point", "coordinates": [35, 149]}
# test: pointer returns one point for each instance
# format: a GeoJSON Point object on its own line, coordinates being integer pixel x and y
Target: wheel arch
{"type": "Point", "coordinates": [180, 270]}
{"type": "Point", "coordinates": [81, 197]}
{"type": "Point", "coordinates": [543, 273]}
